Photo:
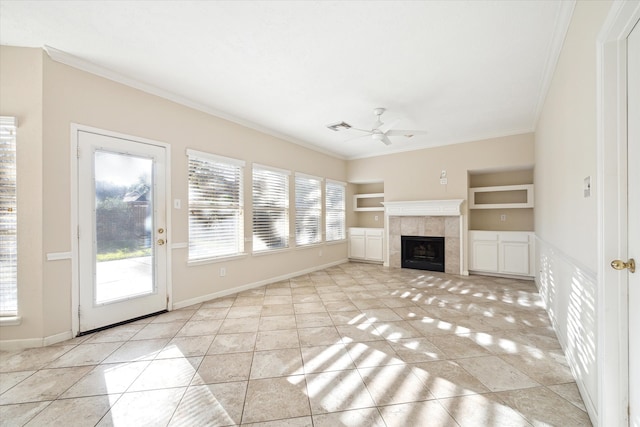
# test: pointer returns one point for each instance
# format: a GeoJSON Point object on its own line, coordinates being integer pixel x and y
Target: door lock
{"type": "Point", "coordinates": [160, 230]}
{"type": "Point", "coordinates": [160, 242]}
{"type": "Point", "coordinates": [621, 265]}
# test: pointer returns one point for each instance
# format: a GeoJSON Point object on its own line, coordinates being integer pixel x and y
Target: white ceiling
{"type": "Point", "coordinates": [463, 70]}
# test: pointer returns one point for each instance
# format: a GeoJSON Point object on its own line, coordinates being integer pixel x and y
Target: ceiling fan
{"type": "Point", "coordinates": [381, 131]}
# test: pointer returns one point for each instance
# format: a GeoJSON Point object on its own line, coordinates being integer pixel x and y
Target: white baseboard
{"type": "Point", "coordinates": [21, 344]}
{"type": "Point", "coordinates": [226, 292]}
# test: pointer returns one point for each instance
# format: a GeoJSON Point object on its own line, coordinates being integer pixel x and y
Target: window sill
{"type": "Point", "coordinates": [10, 321]}
{"type": "Point", "coordinates": [336, 242]}
{"type": "Point", "coordinates": [217, 259]}
{"type": "Point", "coordinates": [270, 252]}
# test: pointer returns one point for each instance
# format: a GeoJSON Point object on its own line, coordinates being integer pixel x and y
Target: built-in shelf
{"type": "Point", "coordinates": [501, 197]}
{"type": "Point", "coordinates": [370, 202]}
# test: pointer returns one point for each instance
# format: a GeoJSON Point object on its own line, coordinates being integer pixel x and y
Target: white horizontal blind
{"type": "Point", "coordinates": [215, 206]}
{"type": "Point", "coordinates": [308, 209]}
{"type": "Point", "coordinates": [335, 216]}
{"type": "Point", "coordinates": [8, 219]}
{"type": "Point", "coordinates": [270, 209]}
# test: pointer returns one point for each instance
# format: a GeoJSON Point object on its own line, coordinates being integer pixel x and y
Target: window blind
{"type": "Point", "coordinates": [270, 208]}
{"type": "Point", "coordinates": [215, 206]}
{"type": "Point", "coordinates": [308, 209]}
{"type": "Point", "coordinates": [8, 219]}
{"type": "Point", "coordinates": [335, 216]}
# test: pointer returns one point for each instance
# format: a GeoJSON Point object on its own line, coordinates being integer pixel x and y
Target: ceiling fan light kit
{"type": "Point", "coordinates": [380, 131]}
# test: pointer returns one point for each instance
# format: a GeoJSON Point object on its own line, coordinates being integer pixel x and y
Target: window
{"type": "Point", "coordinates": [335, 217]}
{"type": "Point", "coordinates": [308, 209]}
{"type": "Point", "coordinates": [8, 219]}
{"type": "Point", "coordinates": [270, 208]}
{"type": "Point", "coordinates": [216, 217]}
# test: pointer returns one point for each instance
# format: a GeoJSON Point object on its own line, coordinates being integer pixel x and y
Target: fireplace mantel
{"type": "Point", "coordinates": [448, 222]}
{"type": "Point", "coordinates": [452, 207]}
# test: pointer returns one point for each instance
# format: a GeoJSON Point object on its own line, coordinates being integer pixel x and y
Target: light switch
{"type": "Point", "coordinates": [587, 187]}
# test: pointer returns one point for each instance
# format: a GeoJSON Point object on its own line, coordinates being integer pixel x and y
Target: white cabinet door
{"type": "Point", "coordinates": [356, 246]}
{"type": "Point", "coordinates": [374, 247]}
{"type": "Point", "coordinates": [514, 258]}
{"type": "Point", "coordinates": [485, 255]}
{"type": "Point", "coordinates": [366, 243]}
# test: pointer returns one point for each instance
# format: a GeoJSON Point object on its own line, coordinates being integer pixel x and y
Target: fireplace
{"type": "Point", "coordinates": [423, 253]}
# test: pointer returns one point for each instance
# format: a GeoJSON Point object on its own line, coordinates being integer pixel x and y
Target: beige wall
{"type": "Point", "coordinates": [21, 96]}
{"type": "Point", "coordinates": [565, 221]}
{"type": "Point", "coordinates": [415, 175]}
{"type": "Point", "coordinates": [51, 96]}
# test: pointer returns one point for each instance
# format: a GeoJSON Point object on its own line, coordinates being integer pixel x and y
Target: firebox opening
{"type": "Point", "coordinates": [423, 253]}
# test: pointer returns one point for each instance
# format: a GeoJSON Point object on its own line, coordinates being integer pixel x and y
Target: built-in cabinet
{"type": "Point", "coordinates": [502, 252]}
{"type": "Point", "coordinates": [366, 244]}
{"type": "Point", "coordinates": [501, 234]}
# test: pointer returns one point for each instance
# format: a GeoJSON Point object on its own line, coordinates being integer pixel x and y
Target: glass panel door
{"type": "Point", "coordinates": [122, 251]}
{"type": "Point", "coordinates": [124, 220]}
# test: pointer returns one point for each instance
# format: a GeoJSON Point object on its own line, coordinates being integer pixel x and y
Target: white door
{"type": "Point", "coordinates": [633, 216]}
{"type": "Point", "coordinates": [122, 227]}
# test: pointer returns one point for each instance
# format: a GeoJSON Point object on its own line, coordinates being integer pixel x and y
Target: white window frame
{"type": "Point", "coordinates": [329, 210]}
{"type": "Point", "coordinates": [236, 206]}
{"type": "Point", "coordinates": [304, 212]}
{"type": "Point", "coordinates": [282, 207]}
{"type": "Point", "coordinates": [9, 220]}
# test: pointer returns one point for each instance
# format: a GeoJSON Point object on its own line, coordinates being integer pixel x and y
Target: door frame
{"type": "Point", "coordinates": [612, 312]}
{"type": "Point", "coordinates": [75, 266]}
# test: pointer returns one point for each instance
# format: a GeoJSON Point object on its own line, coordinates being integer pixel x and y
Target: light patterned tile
{"type": "Point", "coordinates": [153, 407]}
{"type": "Point", "coordinates": [496, 374]}
{"type": "Point", "coordinates": [276, 399]}
{"type": "Point", "coordinates": [46, 384]}
{"type": "Point", "coordinates": [79, 411]}
{"type": "Point", "coordinates": [542, 407]}
{"type": "Point", "coordinates": [212, 404]}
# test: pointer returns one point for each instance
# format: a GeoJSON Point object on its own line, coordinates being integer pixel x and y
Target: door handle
{"type": "Point", "coordinates": [160, 242]}
{"type": "Point", "coordinates": [621, 265]}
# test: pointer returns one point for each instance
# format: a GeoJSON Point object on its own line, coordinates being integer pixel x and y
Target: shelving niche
{"type": "Point", "coordinates": [369, 202]}
{"type": "Point", "coordinates": [501, 197]}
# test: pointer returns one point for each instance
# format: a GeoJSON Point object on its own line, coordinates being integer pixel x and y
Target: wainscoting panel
{"type": "Point", "coordinates": [569, 291]}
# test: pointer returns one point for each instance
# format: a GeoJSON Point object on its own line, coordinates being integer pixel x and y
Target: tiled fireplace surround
{"type": "Point", "coordinates": [434, 218]}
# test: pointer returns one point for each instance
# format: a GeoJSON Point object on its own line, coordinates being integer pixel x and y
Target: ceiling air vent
{"type": "Point", "coordinates": [339, 126]}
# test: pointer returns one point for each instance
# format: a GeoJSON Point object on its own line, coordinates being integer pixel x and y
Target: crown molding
{"type": "Point", "coordinates": [561, 28]}
{"type": "Point", "coordinates": [89, 67]}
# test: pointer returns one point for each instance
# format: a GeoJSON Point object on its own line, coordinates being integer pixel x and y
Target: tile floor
{"type": "Point", "coordinates": [352, 345]}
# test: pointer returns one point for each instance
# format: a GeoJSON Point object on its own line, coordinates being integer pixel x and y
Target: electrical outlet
{"type": "Point", "coordinates": [223, 271]}
{"type": "Point", "coordinates": [320, 252]}
{"type": "Point", "coordinates": [443, 181]}
{"type": "Point", "coordinates": [177, 204]}
{"type": "Point", "coordinates": [375, 218]}
{"type": "Point", "coordinates": [503, 217]}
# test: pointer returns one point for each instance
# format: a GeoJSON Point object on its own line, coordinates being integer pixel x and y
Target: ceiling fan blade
{"type": "Point", "coordinates": [362, 130]}
{"type": "Point", "coordinates": [406, 132]}
{"type": "Point", "coordinates": [385, 140]}
{"type": "Point", "coordinates": [384, 128]}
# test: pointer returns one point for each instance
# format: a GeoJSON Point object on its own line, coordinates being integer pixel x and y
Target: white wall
{"type": "Point", "coordinates": [566, 221]}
